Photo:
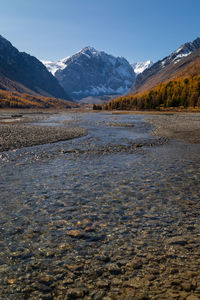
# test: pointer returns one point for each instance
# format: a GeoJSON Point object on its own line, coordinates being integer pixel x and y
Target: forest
{"type": "Point", "coordinates": [10, 99]}
{"type": "Point", "coordinates": [180, 92]}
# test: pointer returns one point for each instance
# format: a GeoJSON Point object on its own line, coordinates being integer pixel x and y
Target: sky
{"type": "Point", "coordinates": [135, 29]}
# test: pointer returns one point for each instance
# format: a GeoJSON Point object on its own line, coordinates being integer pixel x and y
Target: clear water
{"type": "Point", "coordinates": [70, 203]}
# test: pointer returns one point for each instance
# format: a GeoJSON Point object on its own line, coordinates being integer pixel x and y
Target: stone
{"type": "Point", "coordinates": [114, 269]}
{"type": "Point", "coordinates": [11, 281]}
{"type": "Point", "coordinates": [75, 233]}
{"type": "Point", "coordinates": [75, 267]}
{"type": "Point", "coordinates": [192, 297]}
{"type": "Point", "coordinates": [75, 293]}
{"type": "Point", "coordinates": [116, 282]}
{"type": "Point", "coordinates": [102, 284]}
{"type": "Point", "coordinates": [46, 279]}
{"type": "Point", "coordinates": [183, 295]}
{"type": "Point", "coordinates": [186, 286]}
{"type": "Point", "coordinates": [134, 264]}
{"type": "Point", "coordinates": [97, 295]}
{"type": "Point", "coordinates": [177, 240]}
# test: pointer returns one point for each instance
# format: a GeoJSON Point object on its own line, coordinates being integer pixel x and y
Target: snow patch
{"type": "Point", "coordinates": [140, 67]}
{"type": "Point", "coordinates": [178, 50]}
{"type": "Point", "coordinates": [95, 91]}
{"type": "Point", "coordinates": [53, 67]}
{"type": "Point", "coordinates": [163, 63]}
{"type": "Point", "coordinates": [180, 56]}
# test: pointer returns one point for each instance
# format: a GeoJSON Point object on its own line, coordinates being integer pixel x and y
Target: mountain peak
{"type": "Point", "coordinates": [90, 51]}
{"type": "Point", "coordinates": [90, 72]}
{"type": "Point", "coordinates": [89, 48]}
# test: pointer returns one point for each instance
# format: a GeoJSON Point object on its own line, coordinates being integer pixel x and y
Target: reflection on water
{"type": "Point", "coordinates": [79, 222]}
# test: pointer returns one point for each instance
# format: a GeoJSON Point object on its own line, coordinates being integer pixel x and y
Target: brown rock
{"type": "Point", "coordinates": [114, 269]}
{"type": "Point", "coordinates": [183, 295]}
{"type": "Point", "coordinates": [75, 233]}
{"type": "Point", "coordinates": [116, 282]}
{"type": "Point", "coordinates": [75, 293]}
{"type": "Point", "coordinates": [75, 267]}
{"type": "Point", "coordinates": [186, 286]}
{"type": "Point", "coordinates": [46, 279]}
{"type": "Point", "coordinates": [134, 264]}
{"type": "Point", "coordinates": [11, 281]}
{"type": "Point", "coordinates": [102, 284]}
{"type": "Point", "coordinates": [177, 240]}
{"type": "Point", "coordinates": [192, 297]}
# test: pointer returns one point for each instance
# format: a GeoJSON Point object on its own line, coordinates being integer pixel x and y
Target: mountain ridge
{"type": "Point", "coordinates": [22, 72]}
{"type": "Point", "coordinates": [164, 69]}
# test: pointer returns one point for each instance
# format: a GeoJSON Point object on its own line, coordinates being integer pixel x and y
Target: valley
{"type": "Point", "coordinates": [99, 175]}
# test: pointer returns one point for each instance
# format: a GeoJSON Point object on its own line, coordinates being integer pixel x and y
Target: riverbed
{"type": "Point", "coordinates": [113, 214]}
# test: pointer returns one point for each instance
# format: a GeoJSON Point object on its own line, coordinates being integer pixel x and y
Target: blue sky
{"type": "Point", "coordinates": [136, 29]}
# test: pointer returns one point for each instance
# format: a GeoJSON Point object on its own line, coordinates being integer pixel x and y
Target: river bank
{"type": "Point", "coordinates": [180, 126]}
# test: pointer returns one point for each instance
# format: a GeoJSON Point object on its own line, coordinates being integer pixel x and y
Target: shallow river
{"type": "Point", "coordinates": [113, 215]}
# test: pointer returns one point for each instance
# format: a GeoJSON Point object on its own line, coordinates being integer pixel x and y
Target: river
{"type": "Point", "coordinates": [111, 215]}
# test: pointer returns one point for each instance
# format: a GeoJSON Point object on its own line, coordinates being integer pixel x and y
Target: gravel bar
{"type": "Point", "coordinates": [15, 136]}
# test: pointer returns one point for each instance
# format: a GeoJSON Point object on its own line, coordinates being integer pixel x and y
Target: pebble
{"type": "Point", "coordinates": [192, 297]}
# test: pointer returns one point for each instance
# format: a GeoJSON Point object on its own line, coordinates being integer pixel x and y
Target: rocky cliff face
{"type": "Point", "coordinates": [93, 73]}
{"type": "Point", "coordinates": [24, 73]}
{"type": "Point", "coordinates": [163, 69]}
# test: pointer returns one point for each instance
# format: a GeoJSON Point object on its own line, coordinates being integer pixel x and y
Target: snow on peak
{"type": "Point", "coordinates": [92, 72]}
{"type": "Point", "coordinates": [89, 48]}
{"type": "Point", "coordinates": [55, 66]}
{"type": "Point", "coordinates": [89, 52]}
{"type": "Point", "coordinates": [140, 67]}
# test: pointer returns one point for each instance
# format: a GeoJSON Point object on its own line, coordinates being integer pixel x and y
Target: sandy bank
{"type": "Point", "coordinates": [184, 126]}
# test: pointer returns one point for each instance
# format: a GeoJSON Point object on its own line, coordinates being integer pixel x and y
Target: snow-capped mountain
{"type": "Point", "coordinates": [181, 52]}
{"type": "Point", "coordinates": [139, 67]}
{"type": "Point", "coordinates": [164, 69]}
{"type": "Point", "coordinates": [93, 73]}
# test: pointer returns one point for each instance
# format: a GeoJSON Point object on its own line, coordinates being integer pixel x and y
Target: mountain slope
{"type": "Point", "coordinates": [93, 73]}
{"type": "Point", "coordinates": [22, 72]}
{"type": "Point", "coordinates": [180, 92]}
{"type": "Point", "coordinates": [10, 99]}
{"type": "Point", "coordinates": [165, 69]}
